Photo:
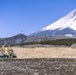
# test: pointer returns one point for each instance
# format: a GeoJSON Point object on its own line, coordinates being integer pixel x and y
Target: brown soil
{"type": "Point", "coordinates": [38, 67]}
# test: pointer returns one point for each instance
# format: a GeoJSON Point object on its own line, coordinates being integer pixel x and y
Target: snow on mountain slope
{"type": "Point", "coordinates": [69, 21]}
{"type": "Point", "coordinates": [61, 29]}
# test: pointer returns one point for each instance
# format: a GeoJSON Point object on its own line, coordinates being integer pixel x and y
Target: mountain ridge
{"type": "Point", "coordinates": [14, 40]}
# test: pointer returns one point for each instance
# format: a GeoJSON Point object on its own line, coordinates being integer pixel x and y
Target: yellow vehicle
{"type": "Point", "coordinates": [10, 54]}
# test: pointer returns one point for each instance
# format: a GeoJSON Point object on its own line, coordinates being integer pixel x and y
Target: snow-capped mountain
{"type": "Point", "coordinates": [68, 21]}
{"type": "Point", "coordinates": [65, 26]}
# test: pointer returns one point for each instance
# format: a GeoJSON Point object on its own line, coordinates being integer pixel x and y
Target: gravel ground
{"type": "Point", "coordinates": [38, 67]}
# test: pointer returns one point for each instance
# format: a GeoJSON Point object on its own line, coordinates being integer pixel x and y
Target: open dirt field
{"type": "Point", "coordinates": [38, 67]}
{"type": "Point", "coordinates": [40, 61]}
{"type": "Point", "coordinates": [45, 52]}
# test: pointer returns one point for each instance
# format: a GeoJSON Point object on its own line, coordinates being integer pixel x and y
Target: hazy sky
{"type": "Point", "coordinates": [28, 16]}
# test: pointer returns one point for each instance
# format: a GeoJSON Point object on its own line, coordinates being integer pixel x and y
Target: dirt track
{"type": "Point", "coordinates": [38, 67]}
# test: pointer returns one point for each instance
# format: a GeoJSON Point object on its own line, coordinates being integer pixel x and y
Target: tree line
{"type": "Point", "coordinates": [66, 42]}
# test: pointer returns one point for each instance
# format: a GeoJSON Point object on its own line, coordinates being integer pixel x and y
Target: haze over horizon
{"type": "Point", "coordinates": [28, 16]}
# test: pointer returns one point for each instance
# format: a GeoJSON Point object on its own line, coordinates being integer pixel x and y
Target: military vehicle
{"type": "Point", "coordinates": [2, 52]}
{"type": "Point", "coordinates": [7, 54]}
